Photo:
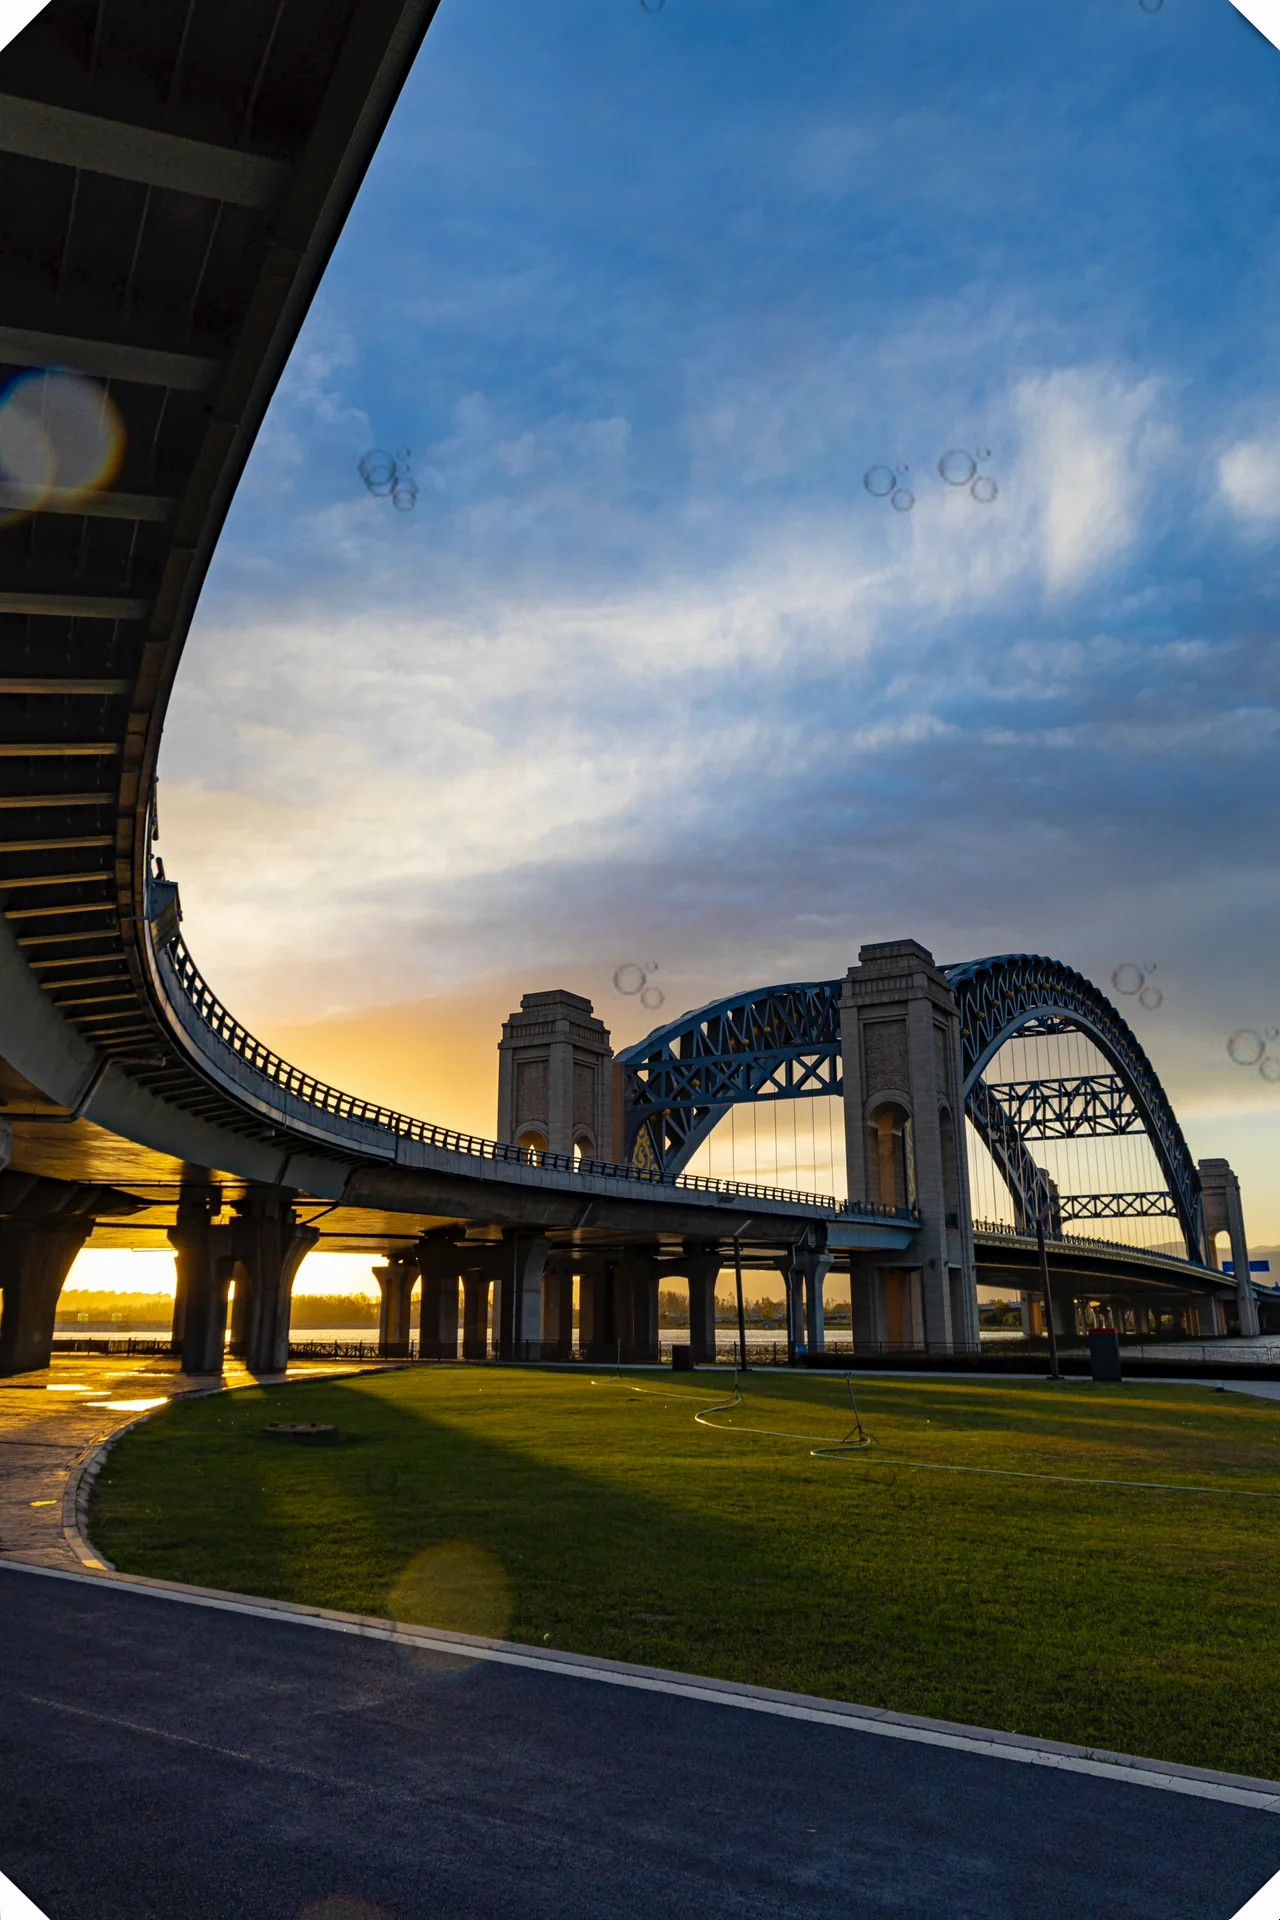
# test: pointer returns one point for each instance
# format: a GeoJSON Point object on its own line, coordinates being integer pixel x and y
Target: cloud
{"type": "Point", "coordinates": [1249, 478]}
{"type": "Point", "coordinates": [1090, 448]}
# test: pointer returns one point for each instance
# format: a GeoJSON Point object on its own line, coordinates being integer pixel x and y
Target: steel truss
{"type": "Point", "coordinates": [783, 1042]}
{"type": "Point", "coordinates": [1088, 1106]}
{"type": "Point", "coordinates": [1118, 1206]}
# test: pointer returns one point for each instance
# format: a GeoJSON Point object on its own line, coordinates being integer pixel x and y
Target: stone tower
{"type": "Point", "coordinates": [555, 1076]}
{"type": "Point", "coordinates": [905, 1143]}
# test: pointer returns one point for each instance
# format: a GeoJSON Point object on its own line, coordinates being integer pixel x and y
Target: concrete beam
{"type": "Point", "coordinates": [108, 359]}
{"type": "Point", "coordinates": [39, 802]}
{"type": "Point", "coordinates": [170, 161]}
{"type": "Point", "coordinates": [61, 845]}
{"type": "Point", "coordinates": [76, 606]}
{"type": "Point", "coordinates": [66, 685]}
{"type": "Point", "coordinates": [95, 504]}
{"type": "Point", "coordinates": [55, 749]}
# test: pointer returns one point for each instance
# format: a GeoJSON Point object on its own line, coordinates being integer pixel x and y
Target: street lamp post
{"type": "Point", "coordinates": [742, 1316]}
{"type": "Point", "coordinates": [1054, 1370]}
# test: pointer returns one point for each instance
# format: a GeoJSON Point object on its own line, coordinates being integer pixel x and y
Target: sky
{"type": "Point", "coordinates": [647, 673]}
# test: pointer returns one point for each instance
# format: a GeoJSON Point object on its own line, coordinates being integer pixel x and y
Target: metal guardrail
{"type": "Point", "coordinates": [325, 1099]}
{"type": "Point", "coordinates": [1002, 1229]}
{"type": "Point", "coordinates": [113, 1343]}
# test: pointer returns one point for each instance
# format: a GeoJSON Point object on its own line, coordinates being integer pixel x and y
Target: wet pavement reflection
{"type": "Point", "coordinates": [53, 1419]}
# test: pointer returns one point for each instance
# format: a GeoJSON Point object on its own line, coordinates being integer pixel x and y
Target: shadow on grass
{"type": "Point", "coordinates": [542, 1509]}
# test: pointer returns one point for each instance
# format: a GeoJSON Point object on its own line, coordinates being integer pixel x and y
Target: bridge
{"type": "Point", "coordinates": [172, 183]}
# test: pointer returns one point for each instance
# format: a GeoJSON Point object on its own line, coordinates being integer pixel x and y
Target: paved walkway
{"type": "Point", "coordinates": [51, 1420]}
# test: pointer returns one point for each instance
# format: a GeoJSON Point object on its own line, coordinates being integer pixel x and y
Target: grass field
{"type": "Point", "coordinates": [544, 1507]}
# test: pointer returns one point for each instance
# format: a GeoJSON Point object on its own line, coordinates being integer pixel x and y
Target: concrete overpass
{"type": "Point", "coordinates": [172, 183]}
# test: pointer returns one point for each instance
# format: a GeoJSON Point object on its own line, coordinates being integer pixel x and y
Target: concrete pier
{"type": "Point", "coordinates": [396, 1281]}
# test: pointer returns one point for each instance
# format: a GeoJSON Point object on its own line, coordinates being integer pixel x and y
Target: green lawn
{"type": "Point", "coordinates": [546, 1507]}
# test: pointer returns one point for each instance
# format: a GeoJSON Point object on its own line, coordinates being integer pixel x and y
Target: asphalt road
{"type": "Point", "coordinates": [168, 1760]}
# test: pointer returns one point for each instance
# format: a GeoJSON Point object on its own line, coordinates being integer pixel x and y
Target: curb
{"type": "Point", "coordinates": [1199, 1783]}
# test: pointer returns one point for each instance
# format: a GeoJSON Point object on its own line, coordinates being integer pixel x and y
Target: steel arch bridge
{"type": "Point", "coordinates": [783, 1042]}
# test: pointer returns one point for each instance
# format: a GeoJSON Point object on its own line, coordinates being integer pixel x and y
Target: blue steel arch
{"type": "Point", "coordinates": [1006, 994]}
{"type": "Point", "coordinates": [783, 1042]}
{"type": "Point", "coordinates": [770, 1043]}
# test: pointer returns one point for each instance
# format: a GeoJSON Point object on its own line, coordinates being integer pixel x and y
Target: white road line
{"type": "Point", "coordinates": [1265, 16]}
{"type": "Point", "coordinates": [1197, 1783]}
{"type": "Point", "coordinates": [14, 16]}
{"type": "Point", "coordinates": [1265, 1904]}
{"type": "Point", "coordinates": [15, 1905]}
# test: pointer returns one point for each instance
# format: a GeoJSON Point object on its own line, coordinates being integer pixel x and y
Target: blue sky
{"type": "Point", "coordinates": [648, 673]}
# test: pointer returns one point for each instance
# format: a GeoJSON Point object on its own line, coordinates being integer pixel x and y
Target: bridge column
{"type": "Point", "coordinates": [475, 1315]}
{"type": "Point", "coordinates": [803, 1271]}
{"type": "Point", "coordinates": [637, 1296]}
{"type": "Point", "coordinates": [35, 1259]}
{"type": "Point", "coordinates": [557, 1308]}
{"type": "Point", "coordinates": [205, 1261]}
{"type": "Point", "coordinates": [270, 1245]}
{"type": "Point", "coordinates": [866, 1294]}
{"type": "Point", "coordinates": [1063, 1308]}
{"type": "Point", "coordinates": [1224, 1213]}
{"type": "Point", "coordinates": [702, 1264]}
{"type": "Point", "coordinates": [1208, 1318]}
{"type": "Point", "coordinates": [439, 1261]}
{"type": "Point", "coordinates": [904, 1121]}
{"type": "Point", "coordinates": [396, 1281]}
{"type": "Point", "coordinates": [607, 1309]}
{"type": "Point", "coordinates": [524, 1256]}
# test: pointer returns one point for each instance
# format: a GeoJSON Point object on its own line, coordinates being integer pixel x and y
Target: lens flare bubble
{"type": "Point", "coordinates": [1269, 1067]}
{"type": "Point", "coordinates": [456, 1584]}
{"type": "Point", "coordinates": [404, 496]}
{"type": "Point", "coordinates": [1151, 998]}
{"type": "Point", "coordinates": [652, 997]}
{"type": "Point", "coordinates": [957, 467]}
{"type": "Point", "coordinates": [902, 500]}
{"type": "Point", "coordinates": [1127, 978]}
{"type": "Point", "coordinates": [880, 481]}
{"type": "Point", "coordinates": [651, 966]}
{"type": "Point", "coordinates": [378, 470]}
{"type": "Point", "coordinates": [1246, 1047]}
{"type": "Point", "coordinates": [629, 978]}
{"type": "Point", "coordinates": [984, 490]}
{"type": "Point", "coordinates": [1151, 6]}
{"type": "Point", "coordinates": [653, 6]}
{"type": "Point", "coordinates": [58, 432]}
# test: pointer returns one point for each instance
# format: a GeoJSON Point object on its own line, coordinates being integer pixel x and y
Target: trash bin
{"type": "Point", "coordinates": [1104, 1354]}
{"type": "Point", "coordinates": [682, 1359]}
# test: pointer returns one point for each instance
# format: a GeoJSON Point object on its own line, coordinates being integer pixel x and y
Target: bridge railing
{"type": "Point", "coordinates": [1002, 1228]}
{"type": "Point", "coordinates": [323, 1098]}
